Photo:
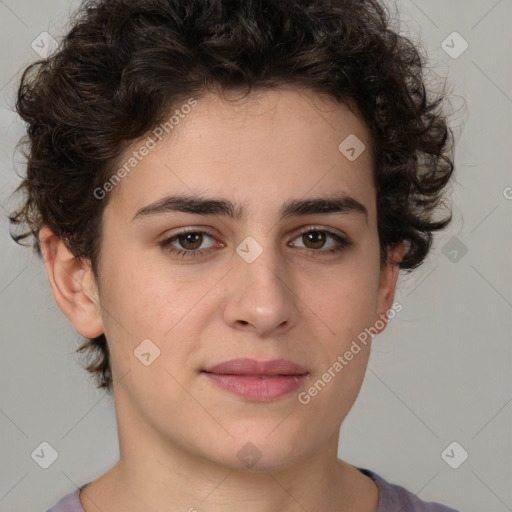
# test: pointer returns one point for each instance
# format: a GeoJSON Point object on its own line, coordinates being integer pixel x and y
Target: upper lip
{"type": "Point", "coordinates": [246, 366]}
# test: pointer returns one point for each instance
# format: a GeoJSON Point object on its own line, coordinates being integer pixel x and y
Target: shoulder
{"type": "Point", "coordinates": [394, 497]}
{"type": "Point", "coordinates": [68, 503]}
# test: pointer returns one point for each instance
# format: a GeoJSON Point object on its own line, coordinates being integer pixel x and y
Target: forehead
{"type": "Point", "coordinates": [270, 146]}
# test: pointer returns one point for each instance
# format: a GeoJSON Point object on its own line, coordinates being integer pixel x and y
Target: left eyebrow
{"type": "Point", "coordinates": [337, 203]}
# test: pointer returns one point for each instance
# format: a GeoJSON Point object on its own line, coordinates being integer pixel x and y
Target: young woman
{"type": "Point", "coordinates": [223, 194]}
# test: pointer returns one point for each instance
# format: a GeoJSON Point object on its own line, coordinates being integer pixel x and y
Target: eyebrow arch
{"type": "Point", "coordinates": [335, 203]}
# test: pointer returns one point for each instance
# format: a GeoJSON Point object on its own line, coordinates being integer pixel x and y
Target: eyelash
{"type": "Point", "coordinates": [343, 243]}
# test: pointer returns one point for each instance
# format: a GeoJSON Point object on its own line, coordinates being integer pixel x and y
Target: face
{"type": "Point", "coordinates": [265, 279]}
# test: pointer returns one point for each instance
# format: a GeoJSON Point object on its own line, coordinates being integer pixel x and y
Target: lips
{"type": "Point", "coordinates": [252, 367]}
{"type": "Point", "coordinates": [257, 381]}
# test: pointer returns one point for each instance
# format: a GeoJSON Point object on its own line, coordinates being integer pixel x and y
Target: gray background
{"type": "Point", "coordinates": [441, 372]}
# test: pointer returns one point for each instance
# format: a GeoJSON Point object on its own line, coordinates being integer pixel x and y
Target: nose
{"type": "Point", "coordinates": [261, 296]}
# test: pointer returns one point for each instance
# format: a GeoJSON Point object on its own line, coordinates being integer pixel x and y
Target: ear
{"type": "Point", "coordinates": [387, 284]}
{"type": "Point", "coordinates": [73, 285]}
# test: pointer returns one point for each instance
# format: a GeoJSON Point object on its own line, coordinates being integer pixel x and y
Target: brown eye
{"type": "Point", "coordinates": [315, 238]}
{"type": "Point", "coordinates": [187, 243]}
{"type": "Point", "coordinates": [191, 241]}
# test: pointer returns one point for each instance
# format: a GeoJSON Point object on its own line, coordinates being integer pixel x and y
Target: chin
{"type": "Point", "coordinates": [255, 449]}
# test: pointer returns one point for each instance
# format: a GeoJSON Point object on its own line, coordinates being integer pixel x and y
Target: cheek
{"type": "Point", "coordinates": [344, 298]}
{"type": "Point", "coordinates": [141, 301]}
{"type": "Point", "coordinates": [146, 300]}
{"type": "Point", "coordinates": [346, 310]}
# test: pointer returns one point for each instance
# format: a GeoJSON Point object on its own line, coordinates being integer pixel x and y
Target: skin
{"type": "Point", "coordinates": [179, 434]}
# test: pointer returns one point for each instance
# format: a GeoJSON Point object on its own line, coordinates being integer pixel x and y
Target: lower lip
{"type": "Point", "coordinates": [258, 388]}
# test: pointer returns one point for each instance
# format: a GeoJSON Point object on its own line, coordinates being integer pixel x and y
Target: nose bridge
{"type": "Point", "coordinates": [262, 294]}
{"type": "Point", "coordinates": [265, 273]}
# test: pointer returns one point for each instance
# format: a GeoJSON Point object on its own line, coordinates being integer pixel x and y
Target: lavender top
{"type": "Point", "coordinates": [392, 498]}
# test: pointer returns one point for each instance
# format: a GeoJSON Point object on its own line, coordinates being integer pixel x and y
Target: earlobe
{"type": "Point", "coordinates": [387, 285]}
{"type": "Point", "coordinates": [73, 285]}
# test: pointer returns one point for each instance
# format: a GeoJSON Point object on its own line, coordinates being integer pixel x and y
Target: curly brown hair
{"type": "Point", "coordinates": [125, 64]}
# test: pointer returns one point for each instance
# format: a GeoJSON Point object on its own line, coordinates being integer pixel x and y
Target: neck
{"type": "Point", "coordinates": [156, 473]}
